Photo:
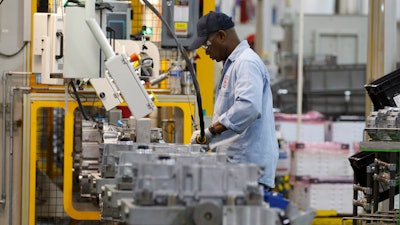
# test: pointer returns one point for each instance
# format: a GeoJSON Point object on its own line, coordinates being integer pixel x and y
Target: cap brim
{"type": "Point", "coordinates": [197, 43]}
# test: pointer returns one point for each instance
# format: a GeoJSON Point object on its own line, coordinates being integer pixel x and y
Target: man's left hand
{"type": "Point", "coordinates": [197, 139]}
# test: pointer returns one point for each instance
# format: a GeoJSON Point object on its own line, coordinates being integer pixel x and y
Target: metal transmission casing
{"type": "Point", "coordinates": [190, 193]}
{"type": "Point", "coordinates": [160, 183]}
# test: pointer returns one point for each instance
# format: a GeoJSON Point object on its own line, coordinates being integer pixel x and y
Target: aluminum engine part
{"type": "Point", "coordinates": [174, 184]}
{"type": "Point", "coordinates": [120, 181]}
{"type": "Point", "coordinates": [384, 124]}
{"type": "Point", "coordinates": [171, 192]}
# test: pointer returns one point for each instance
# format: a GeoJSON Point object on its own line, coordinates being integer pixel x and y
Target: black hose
{"type": "Point", "coordinates": [79, 101]}
{"type": "Point", "coordinates": [188, 64]}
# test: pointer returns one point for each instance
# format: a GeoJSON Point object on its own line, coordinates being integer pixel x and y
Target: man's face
{"type": "Point", "coordinates": [212, 46]}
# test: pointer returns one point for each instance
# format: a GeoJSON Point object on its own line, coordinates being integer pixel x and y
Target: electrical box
{"type": "Point", "coordinates": [83, 56]}
{"type": "Point", "coordinates": [182, 17]}
{"type": "Point", "coordinates": [107, 91]}
{"type": "Point", "coordinates": [124, 76]}
{"type": "Point", "coordinates": [48, 58]}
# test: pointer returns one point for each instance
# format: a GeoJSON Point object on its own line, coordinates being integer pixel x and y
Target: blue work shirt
{"type": "Point", "coordinates": [244, 106]}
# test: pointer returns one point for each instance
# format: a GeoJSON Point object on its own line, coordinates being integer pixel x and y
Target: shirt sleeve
{"type": "Point", "coordinates": [248, 93]}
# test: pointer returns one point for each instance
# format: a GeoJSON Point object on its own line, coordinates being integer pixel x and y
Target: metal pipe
{"type": "Point", "coordinates": [376, 188]}
{"type": "Point", "coordinates": [11, 166]}
{"type": "Point", "coordinates": [370, 185]}
{"type": "Point", "coordinates": [300, 72]}
{"type": "Point", "coordinates": [392, 190]}
{"type": "Point", "coordinates": [10, 73]}
{"type": "Point", "coordinates": [3, 141]}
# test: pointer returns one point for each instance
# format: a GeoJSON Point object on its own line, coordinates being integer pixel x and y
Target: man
{"type": "Point", "coordinates": [243, 122]}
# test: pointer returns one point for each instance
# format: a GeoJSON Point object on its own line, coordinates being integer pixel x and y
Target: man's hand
{"type": "Point", "coordinates": [196, 137]}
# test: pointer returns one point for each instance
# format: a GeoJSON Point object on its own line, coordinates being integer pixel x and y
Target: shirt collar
{"type": "Point", "coordinates": [243, 45]}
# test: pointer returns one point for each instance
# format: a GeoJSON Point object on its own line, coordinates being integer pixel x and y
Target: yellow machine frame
{"type": "Point", "coordinates": [51, 100]}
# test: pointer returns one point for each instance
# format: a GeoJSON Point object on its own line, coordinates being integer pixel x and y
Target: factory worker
{"type": "Point", "coordinates": [243, 123]}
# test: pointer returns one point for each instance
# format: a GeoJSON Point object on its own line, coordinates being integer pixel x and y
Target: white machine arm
{"type": "Point", "coordinates": [120, 70]}
{"type": "Point", "coordinates": [96, 30]}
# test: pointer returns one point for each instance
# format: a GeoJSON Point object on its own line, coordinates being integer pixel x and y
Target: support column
{"type": "Point", "coordinates": [381, 41]}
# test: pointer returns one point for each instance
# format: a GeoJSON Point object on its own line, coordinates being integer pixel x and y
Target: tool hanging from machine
{"type": "Point", "coordinates": [188, 64]}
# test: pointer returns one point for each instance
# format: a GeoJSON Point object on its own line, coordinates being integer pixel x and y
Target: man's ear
{"type": "Point", "coordinates": [222, 35]}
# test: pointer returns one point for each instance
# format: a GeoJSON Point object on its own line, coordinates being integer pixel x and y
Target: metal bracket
{"type": "Point", "coordinates": [7, 107]}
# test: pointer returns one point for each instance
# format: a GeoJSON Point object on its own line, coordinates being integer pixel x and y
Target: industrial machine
{"type": "Point", "coordinates": [155, 183]}
{"type": "Point", "coordinates": [376, 166]}
{"type": "Point", "coordinates": [376, 170]}
{"type": "Point", "coordinates": [124, 169]}
{"type": "Point", "coordinates": [56, 41]}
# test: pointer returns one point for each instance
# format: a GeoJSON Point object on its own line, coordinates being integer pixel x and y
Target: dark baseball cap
{"type": "Point", "coordinates": [210, 23]}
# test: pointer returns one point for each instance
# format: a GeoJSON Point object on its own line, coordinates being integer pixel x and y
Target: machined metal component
{"type": "Point", "coordinates": [388, 166]}
{"type": "Point", "coordinates": [207, 213]}
{"type": "Point", "coordinates": [143, 129]}
{"type": "Point", "coordinates": [385, 178]}
{"type": "Point", "coordinates": [363, 203]}
{"type": "Point", "coordinates": [156, 183]}
{"type": "Point", "coordinates": [384, 125]}
{"type": "Point", "coordinates": [366, 190]}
